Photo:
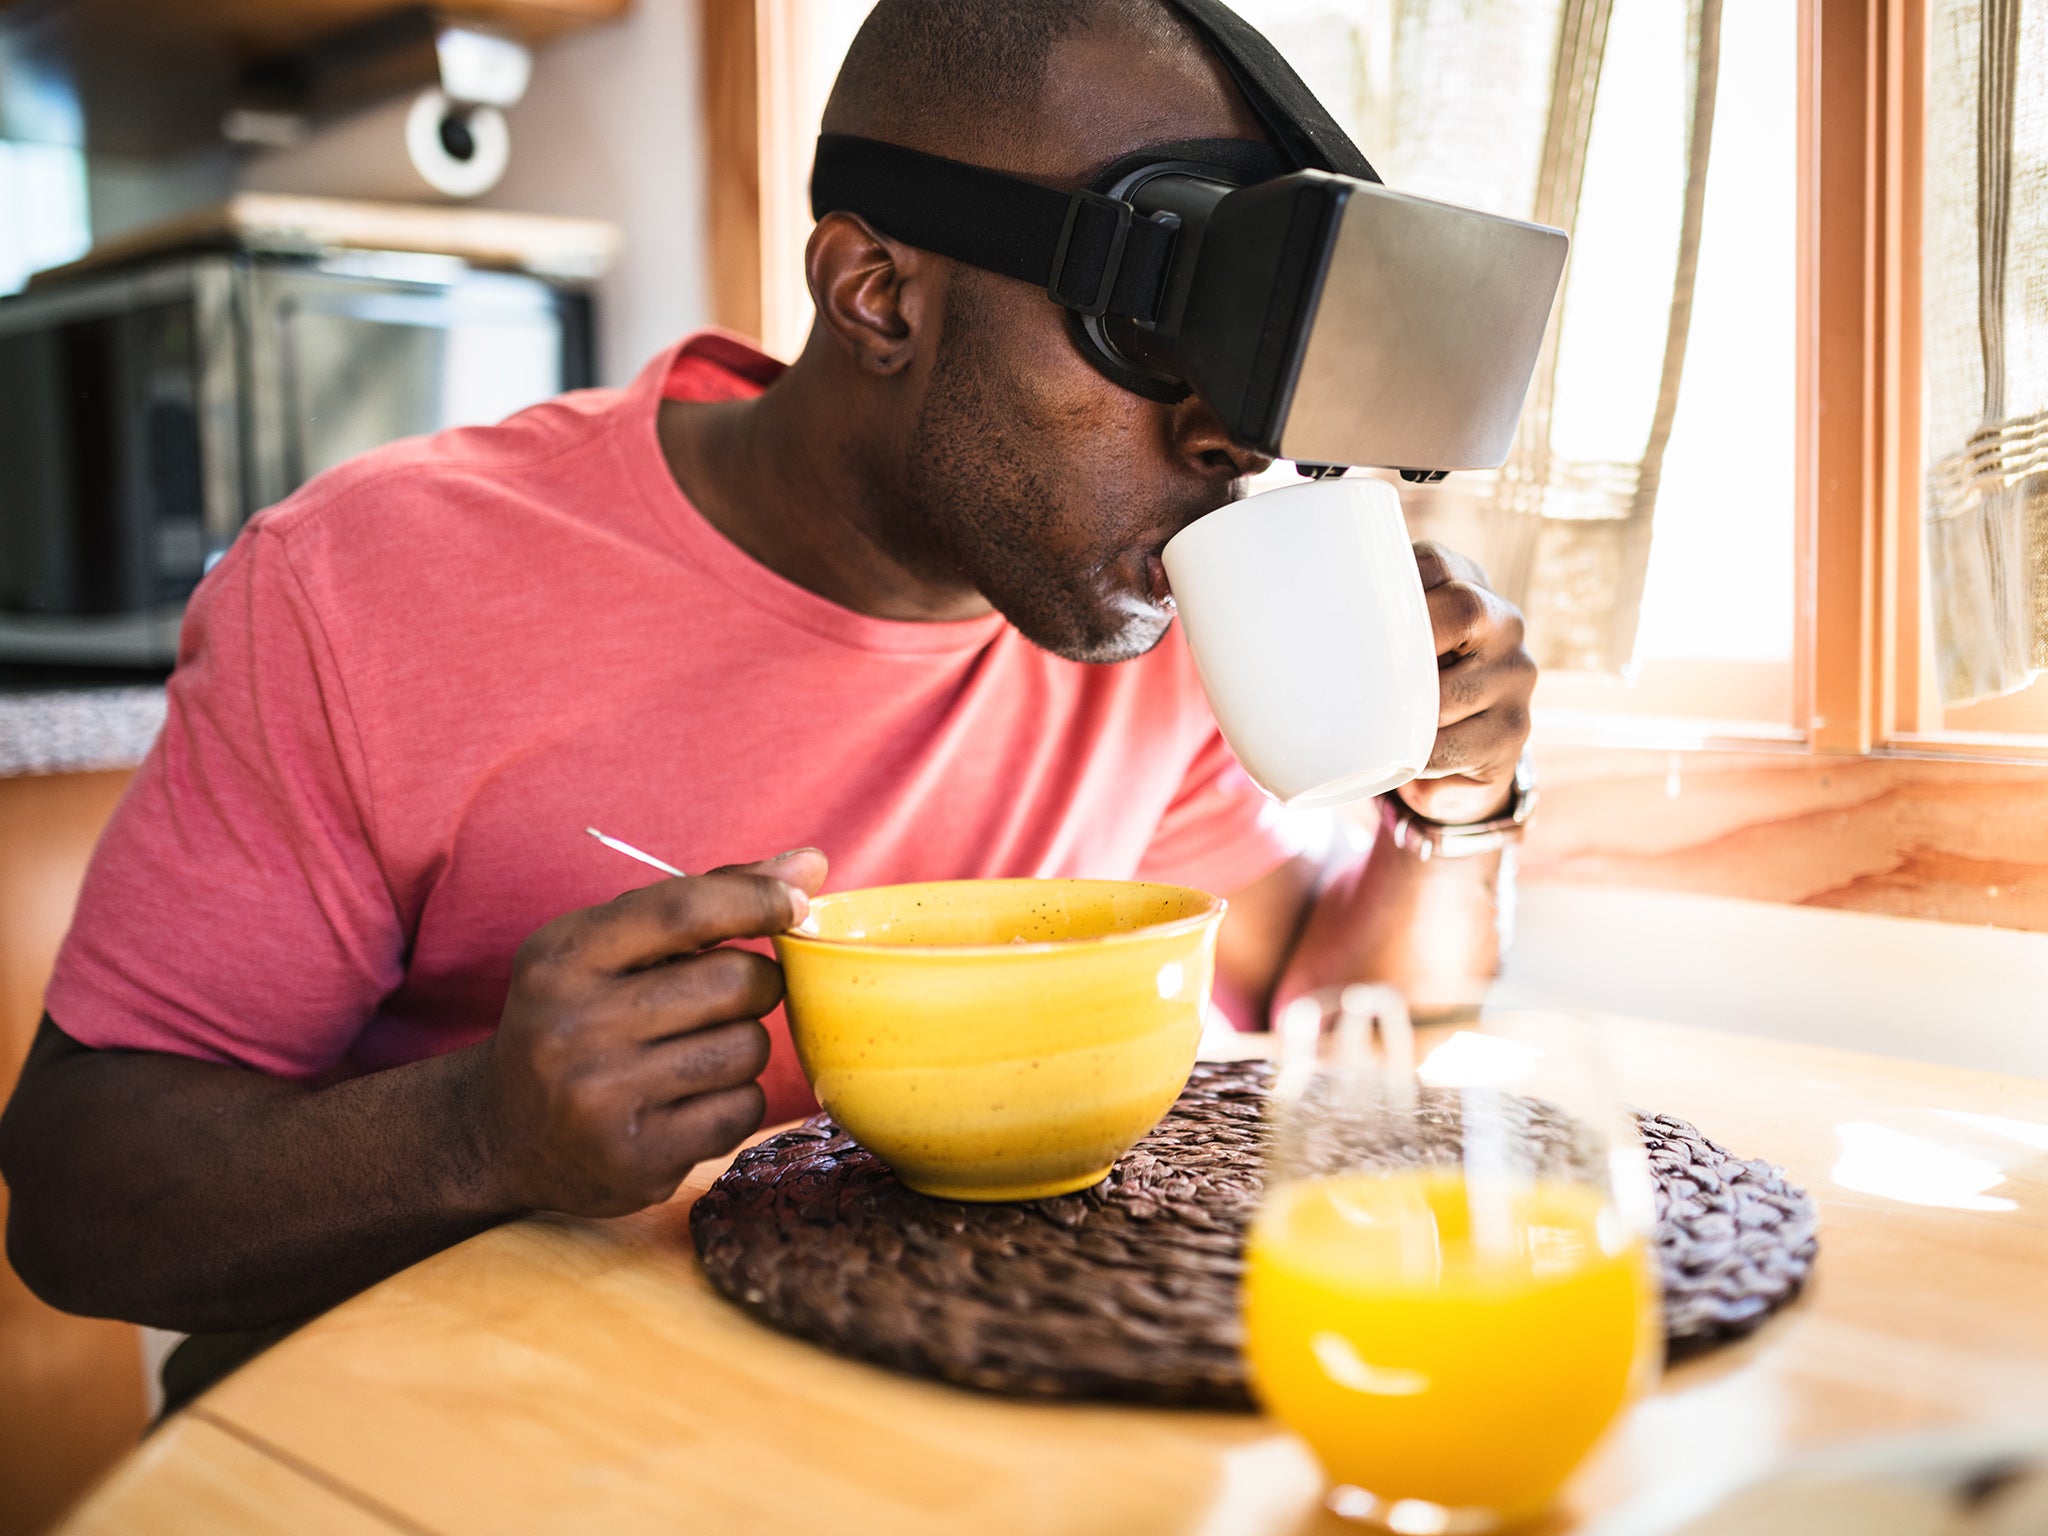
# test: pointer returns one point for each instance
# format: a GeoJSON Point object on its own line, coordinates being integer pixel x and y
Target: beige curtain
{"type": "Point", "coordinates": [1985, 343]}
{"type": "Point", "coordinates": [1499, 104]}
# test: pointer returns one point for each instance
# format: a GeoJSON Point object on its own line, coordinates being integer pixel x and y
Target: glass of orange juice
{"type": "Point", "coordinates": [1448, 1289]}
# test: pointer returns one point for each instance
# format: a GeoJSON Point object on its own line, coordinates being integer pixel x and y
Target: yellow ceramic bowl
{"type": "Point", "coordinates": [1001, 1039]}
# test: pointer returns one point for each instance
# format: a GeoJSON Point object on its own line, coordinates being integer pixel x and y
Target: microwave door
{"type": "Point", "coordinates": [101, 510]}
{"type": "Point", "coordinates": [355, 364]}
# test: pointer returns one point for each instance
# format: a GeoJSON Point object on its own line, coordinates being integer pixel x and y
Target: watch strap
{"type": "Point", "coordinates": [1426, 838]}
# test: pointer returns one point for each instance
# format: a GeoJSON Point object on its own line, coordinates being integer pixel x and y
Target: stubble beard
{"type": "Point", "coordinates": [974, 496]}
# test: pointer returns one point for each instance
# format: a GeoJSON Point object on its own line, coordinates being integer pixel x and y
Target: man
{"type": "Point", "coordinates": [322, 1013]}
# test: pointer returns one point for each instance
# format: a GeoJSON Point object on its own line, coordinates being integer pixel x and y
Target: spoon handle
{"type": "Point", "coordinates": [635, 853]}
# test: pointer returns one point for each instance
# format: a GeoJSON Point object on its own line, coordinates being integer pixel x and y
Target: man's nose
{"type": "Point", "coordinates": [1201, 439]}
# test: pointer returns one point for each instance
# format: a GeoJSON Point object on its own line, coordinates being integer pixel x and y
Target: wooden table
{"type": "Point", "coordinates": [575, 1376]}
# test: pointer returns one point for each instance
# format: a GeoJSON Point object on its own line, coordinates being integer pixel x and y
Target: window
{"type": "Point", "coordinates": [42, 187]}
{"type": "Point", "coordinates": [1978, 194]}
{"type": "Point", "coordinates": [1714, 651]}
{"type": "Point", "coordinates": [1716, 640]}
{"type": "Point", "coordinates": [42, 172]}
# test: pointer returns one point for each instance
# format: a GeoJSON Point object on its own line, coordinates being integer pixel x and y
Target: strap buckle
{"type": "Point", "coordinates": [1096, 304]}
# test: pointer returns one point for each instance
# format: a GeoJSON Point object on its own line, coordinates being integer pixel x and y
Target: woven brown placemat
{"type": "Point", "coordinates": [1129, 1290]}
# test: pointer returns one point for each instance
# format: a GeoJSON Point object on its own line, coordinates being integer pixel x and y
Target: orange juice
{"type": "Point", "coordinates": [1464, 1352]}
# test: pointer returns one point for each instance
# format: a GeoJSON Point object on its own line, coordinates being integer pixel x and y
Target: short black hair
{"type": "Point", "coordinates": [946, 75]}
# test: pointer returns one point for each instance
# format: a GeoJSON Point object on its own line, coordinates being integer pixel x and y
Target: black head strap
{"type": "Point", "coordinates": [1093, 254]}
{"type": "Point", "coordinates": [1293, 118]}
{"type": "Point", "coordinates": [1088, 252]}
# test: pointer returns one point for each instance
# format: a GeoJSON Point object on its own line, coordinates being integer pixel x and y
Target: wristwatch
{"type": "Point", "coordinates": [1435, 839]}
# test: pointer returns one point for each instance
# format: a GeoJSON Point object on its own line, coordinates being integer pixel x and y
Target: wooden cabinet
{"type": "Point", "coordinates": [71, 1388]}
{"type": "Point", "coordinates": [261, 27]}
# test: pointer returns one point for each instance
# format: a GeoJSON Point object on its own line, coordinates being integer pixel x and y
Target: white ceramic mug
{"type": "Point", "coordinates": [1304, 610]}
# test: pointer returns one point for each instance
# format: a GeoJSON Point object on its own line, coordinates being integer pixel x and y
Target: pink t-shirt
{"type": "Point", "coordinates": [406, 691]}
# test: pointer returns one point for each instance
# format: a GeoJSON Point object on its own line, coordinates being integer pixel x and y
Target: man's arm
{"type": "Point", "coordinates": [202, 1197]}
{"type": "Point", "coordinates": [1428, 926]}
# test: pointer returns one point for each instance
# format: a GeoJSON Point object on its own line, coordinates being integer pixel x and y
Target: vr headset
{"type": "Point", "coordinates": [1323, 317]}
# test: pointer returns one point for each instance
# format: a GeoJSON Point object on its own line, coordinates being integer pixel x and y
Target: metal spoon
{"type": "Point", "coordinates": [636, 853]}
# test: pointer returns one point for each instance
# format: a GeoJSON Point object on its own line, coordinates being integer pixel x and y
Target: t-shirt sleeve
{"type": "Point", "coordinates": [235, 910]}
{"type": "Point", "coordinates": [1221, 833]}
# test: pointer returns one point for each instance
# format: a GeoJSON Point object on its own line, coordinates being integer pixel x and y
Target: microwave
{"type": "Point", "coordinates": [146, 414]}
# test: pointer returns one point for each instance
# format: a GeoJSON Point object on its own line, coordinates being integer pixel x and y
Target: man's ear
{"type": "Point", "coordinates": [872, 293]}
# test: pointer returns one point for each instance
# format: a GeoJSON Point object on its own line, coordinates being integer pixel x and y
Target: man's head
{"type": "Point", "coordinates": [997, 456]}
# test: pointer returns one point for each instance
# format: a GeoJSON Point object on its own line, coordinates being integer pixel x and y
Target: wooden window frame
{"type": "Point", "coordinates": [732, 60]}
{"type": "Point", "coordinates": [759, 155]}
{"type": "Point", "coordinates": [1862, 166]}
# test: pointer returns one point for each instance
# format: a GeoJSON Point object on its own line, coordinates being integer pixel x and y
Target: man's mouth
{"type": "Point", "coordinates": [1155, 575]}
{"type": "Point", "coordinates": [1143, 566]}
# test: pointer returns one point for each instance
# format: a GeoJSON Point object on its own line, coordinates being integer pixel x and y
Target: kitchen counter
{"type": "Point", "coordinates": [77, 730]}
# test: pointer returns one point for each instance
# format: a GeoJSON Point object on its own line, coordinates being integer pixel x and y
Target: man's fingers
{"type": "Point", "coordinates": [1485, 679]}
{"type": "Point", "coordinates": [1468, 620]}
{"type": "Point", "coordinates": [804, 868]}
{"type": "Point", "coordinates": [653, 1148]}
{"type": "Point", "coordinates": [658, 922]}
{"type": "Point", "coordinates": [674, 1131]}
{"type": "Point", "coordinates": [1474, 683]}
{"type": "Point", "coordinates": [705, 1126]}
{"type": "Point", "coordinates": [631, 1038]}
{"type": "Point", "coordinates": [708, 1061]}
{"type": "Point", "coordinates": [694, 993]}
{"type": "Point", "coordinates": [1439, 563]}
{"type": "Point", "coordinates": [1482, 746]}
